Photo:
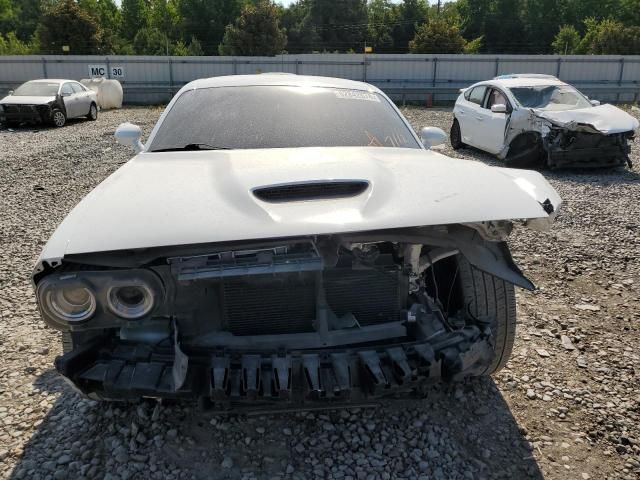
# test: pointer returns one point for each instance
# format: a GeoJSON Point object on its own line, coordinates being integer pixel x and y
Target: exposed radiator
{"type": "Point", "coordinates": [372, 296]}
{"type": "Point", "coordinates": [286, 303]}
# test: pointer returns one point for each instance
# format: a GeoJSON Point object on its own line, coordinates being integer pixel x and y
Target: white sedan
{"type": "Point", "coordinates": [531, 120]}
{"type": "Point", "coordinates": [283, 239]}
{"type": "Point", "coordinates": [48, 101]}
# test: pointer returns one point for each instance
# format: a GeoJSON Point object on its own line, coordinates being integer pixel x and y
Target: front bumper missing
{"type": "Point", "coordinates": [117, 370]}
{"type": "Point", "coordinates": [589, 157]}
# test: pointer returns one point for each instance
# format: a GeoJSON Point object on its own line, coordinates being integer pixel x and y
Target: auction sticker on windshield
{"type": "Point", "coordinates": [357, 95]}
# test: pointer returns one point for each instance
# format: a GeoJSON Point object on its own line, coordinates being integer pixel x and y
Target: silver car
{"type": "Point", "coordinates": [48, 101]}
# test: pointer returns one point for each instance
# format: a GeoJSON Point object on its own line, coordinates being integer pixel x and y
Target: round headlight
{"type": "Point", "coordinates": [130, 301]}
{"type": "Point", "coordinates": [71, 302]}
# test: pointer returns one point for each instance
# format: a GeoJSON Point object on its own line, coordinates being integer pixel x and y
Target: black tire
{"type": "Point", "coordinates": [58, 118]}
{"type": "Point", "coordinates": [526, 151]}
{"type": "Point", "coordinates": [67, 342]}
{"type": "Point", "coordinates": [490, 297]}
{"type": "Point", "coordinates": [455, 136]}
{"type": "Point", "coordinates": [93, 112]}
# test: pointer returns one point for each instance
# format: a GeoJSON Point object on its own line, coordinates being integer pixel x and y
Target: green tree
{"type": "Point", "coordinates": [163, 15]}
{"type": "Point", "coordinates": [504, 29]}
{"type": "Point", "coordinates": [8, 16]}
{"type": "Point", "coordinates": [410, 14]}
{"type": "Point", "coordinates": [567, 41]}
{"type": "Point", "coordinates": [108, 16]}
{"type": "Point", "coordinates": [181, 49]}
{"type": "Point", "coordinates": [300, 34]}
{"type": "Point", "coordinates": [12, 45]}
{"type": "Point", "coordinates": [340, 29]}
{"type": "Point", "coordinates": [135, 14]}
{"type": "Point", "coordinates": [255, 32]}
{"type": "Point", "coordinates": [65, 23]}
{"type": "Point", "coordinates": [151, 41]}
{"type": "Point", "coordinates": [207, 19]}
{"type": "Point", "coordinates": [29, 12]}
{"type": "Point", "coordinates": [437, 36]}
{"type": "Point", "coordinates": [474, 46]}
{"type": "Point", "coordinates": [610, 37]}
{"type": "Point", "coordinates": [542, 19]}
{"type": "Point", "coordinates": [382, 16]}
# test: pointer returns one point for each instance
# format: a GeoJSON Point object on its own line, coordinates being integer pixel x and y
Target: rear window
{"type": "Point", "coordinates": [280, 117]}
{"type": "Point", "coordinates": [476, 95]}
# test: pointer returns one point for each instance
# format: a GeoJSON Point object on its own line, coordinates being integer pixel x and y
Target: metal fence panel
{"type": "Point", "coordinates": [153, 80]}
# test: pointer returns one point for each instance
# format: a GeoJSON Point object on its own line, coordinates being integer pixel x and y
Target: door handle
{"type": "Point", "coordinates": [480, 119]}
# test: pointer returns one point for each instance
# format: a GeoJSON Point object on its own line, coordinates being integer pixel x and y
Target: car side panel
{"type": "Point", "coordinates": [464, 112]}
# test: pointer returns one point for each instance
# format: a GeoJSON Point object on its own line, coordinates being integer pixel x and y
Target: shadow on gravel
{"type": "Point", "coordinates": [458, 431]}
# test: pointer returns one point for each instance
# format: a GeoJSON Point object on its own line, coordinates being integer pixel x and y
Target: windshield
{"type": "Point", "coordinates": [281, 117]}
{"type": "Point", "coordinates": [550, 97]}
{"type": "Point", "coordinates": [37, 89]}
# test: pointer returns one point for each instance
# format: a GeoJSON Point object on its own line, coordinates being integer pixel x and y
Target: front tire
{"type": "Point", "coordinates": [58, 118]}
{"type": "Point", "coordinates": [455, 136]}
{"type": "Point", "coordinates": [490, 297]}
{"type": "Point", "coordinates": [93, 113]}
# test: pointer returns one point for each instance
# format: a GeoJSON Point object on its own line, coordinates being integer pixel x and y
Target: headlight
{"type": "Point", "coordinates": [71, 302]}
{"type": "Point", "coordinates": [130, 301]}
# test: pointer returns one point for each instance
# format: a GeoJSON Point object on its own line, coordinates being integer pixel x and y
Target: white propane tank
{"type": "Point", "coordinates": [109, 92]}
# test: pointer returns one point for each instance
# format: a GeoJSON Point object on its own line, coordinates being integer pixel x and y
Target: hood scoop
{"type": "Point", "coordinates": [316, 190]}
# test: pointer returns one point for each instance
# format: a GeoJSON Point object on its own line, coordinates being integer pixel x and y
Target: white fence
{"type": "Point", "coordinates": [153, 80]}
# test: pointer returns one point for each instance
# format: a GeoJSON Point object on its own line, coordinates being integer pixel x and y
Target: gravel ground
{"type": "Point", "coordinates": [566, 407]}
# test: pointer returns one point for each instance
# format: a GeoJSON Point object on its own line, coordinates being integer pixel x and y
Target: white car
{"type": "Point", "coordinates": [48, 101]}
{"type": "Point", "coordinates": [286, 239]}
{"type": "Point", "coordinates": [531, 120]}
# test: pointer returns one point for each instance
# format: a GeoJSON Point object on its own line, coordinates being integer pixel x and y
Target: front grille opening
{"type": "Point", "coordinates": [296, 192]}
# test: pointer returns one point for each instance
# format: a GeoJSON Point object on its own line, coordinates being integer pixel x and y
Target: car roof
{"type": "Point", "coordinates": [522, 81]}
{"type": "Point", "coordinates": [50, 80]}
{"type": "Point", "coordinates": [280, 79]}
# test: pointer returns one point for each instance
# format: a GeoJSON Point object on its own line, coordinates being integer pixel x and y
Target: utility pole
{"type": "Point", "coordinates": [438, 10]}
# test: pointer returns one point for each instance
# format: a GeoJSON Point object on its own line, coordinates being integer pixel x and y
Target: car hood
{"type": "Point", "coordinates": [605, 119]}
{"type": "Point", "coordinates": [181, 198]}
{"type": "Point", "coordinates": [26, 100]}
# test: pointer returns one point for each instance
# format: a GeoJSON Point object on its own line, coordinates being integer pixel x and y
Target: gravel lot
{"type": "Point", "coordinates": [566, 407]}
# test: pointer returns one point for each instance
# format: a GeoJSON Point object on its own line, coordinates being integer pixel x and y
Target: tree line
{"type": "Point", "coordinates": [261, 27]}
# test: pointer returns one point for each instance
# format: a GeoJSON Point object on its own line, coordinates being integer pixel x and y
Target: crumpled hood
{"type": "Point", "coordinates": [180, 198]}
{"type": "Point", "coordinates": [26, 100]}
{"type": "Point", "coordinates": [606, 119]}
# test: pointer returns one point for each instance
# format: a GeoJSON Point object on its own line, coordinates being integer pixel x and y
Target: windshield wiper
{"type": "Point", "coordinates": [191, 146]}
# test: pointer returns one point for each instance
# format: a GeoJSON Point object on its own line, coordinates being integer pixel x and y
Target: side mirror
{"type": "Point", "coordinates": [595, 103]}
{"type": "Point", "coordinates": [10, 92]}
{"type": "Point", "coordinates": [129, 134]}
{"type": "Point", "coordinates": [432, 136]}
{"type": "Point", "coordinates": [499, 108]}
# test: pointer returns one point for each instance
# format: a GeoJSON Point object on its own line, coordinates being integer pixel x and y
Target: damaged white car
{"type": "Point", "coordinates": [531, 120]}
{"type": "Point", "coordinates": [287, 240]}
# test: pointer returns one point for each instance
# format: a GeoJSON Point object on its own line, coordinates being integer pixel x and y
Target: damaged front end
{"type": "Point", "coordinates": [569, 139]}
{"type": "Point", "coordinates": [333, 318]}
{"type": "Point", "coordinates": [587, 149]}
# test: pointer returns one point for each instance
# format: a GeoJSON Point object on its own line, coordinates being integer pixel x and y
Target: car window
{"type": "Point", "coordinates": [66, 89]}
{"type": "Point", "coordinates": [477, 94]}
{"type": "Point", "coordinates": [550, 97]}
{"type": "Point", "coordinates": [281, 117]}
{"type": "Point", "coordinates": [496, 97]}
{"type": "Point", "coordinates": [77, 88]}
{"type": "Point", "coordinates": [37, 89]}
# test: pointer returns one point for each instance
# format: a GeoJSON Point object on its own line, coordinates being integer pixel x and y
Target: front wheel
{"type": "Point", "coordinates": [58, 118]}
{"type": "Point", "coordinates": [490, 297]}
{"type": "Point", "coordinates": [455, 136]}
{"type": "Point", "coordinates": [93, 112]}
